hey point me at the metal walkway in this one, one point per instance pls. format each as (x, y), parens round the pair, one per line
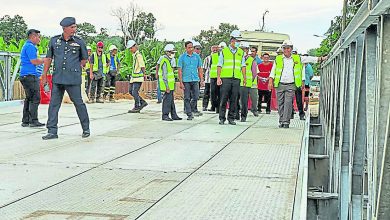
(135, 166)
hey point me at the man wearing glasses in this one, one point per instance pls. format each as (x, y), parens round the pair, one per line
(70, 56)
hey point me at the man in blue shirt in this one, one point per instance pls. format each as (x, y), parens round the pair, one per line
(29, 77)
(190, 73)
(309, 73)
(115, 64)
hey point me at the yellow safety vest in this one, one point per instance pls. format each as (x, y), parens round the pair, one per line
(96, 63)
(232, 63)
(249, 75)
(297, 70)
(214, 65)
(170, 75)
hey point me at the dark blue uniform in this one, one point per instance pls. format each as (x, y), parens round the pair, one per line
(67, 70)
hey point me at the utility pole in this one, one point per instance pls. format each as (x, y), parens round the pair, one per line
(344, 20)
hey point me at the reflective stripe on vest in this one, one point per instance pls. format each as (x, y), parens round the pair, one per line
(232, 63)
(297, 70)
(170, 75)
(214, 65)
(249, 75)
(96, 63)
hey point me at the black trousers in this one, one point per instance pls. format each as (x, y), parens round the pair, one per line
(191, 96)
(267, 99)
(96, 88)
(230, 89)
(168, 105)
(57, 93)
(87, 83)
(298, 97)
(215, 93)
(109, 86)
(30, 84)
(206, 97)
(244, 94)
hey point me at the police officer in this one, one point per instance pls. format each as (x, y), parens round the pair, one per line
(231, 69)
(29, 77)
(70, 55)
(109, 88)
(166, 79)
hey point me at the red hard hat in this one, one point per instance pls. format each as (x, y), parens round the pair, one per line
(100, 44)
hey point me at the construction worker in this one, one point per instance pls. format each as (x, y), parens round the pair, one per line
(207, 65)
(215, 90)
(86, 72)
(166, 79)
(251, 65)
(197, 47)
(114, 68)
(231, 69)
(137, 77)
(263, 78)
(253, 92)
(98, 69)
(286, 76)
(190, 73)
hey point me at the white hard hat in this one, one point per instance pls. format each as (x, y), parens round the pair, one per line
(235, 34)
(196, 44)
(89, 48)
(112, 47)
(169, 47)
(222, 44)
(130, 44)
(244, 45)
(287, 43)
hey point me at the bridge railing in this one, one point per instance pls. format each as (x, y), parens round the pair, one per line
(355, 116)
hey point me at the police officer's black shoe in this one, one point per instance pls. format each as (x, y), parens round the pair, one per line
(167, 119)
(231, 122)
(50, 136)
(37, 124)
(221, 122)
(86, 134)
(25, 124)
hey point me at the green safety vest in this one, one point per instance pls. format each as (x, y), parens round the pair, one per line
(170, 75)
(249, 75)
(140, 74)
(297, 70)
(96, 63)
(214, 65)
(232, 63)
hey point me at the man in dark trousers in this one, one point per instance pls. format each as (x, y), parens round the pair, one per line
(98, 69)
(29, 77)
(70, 56)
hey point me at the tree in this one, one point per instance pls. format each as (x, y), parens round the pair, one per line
(126, 17)
(208, 38)
(86, 31)
(13, 28)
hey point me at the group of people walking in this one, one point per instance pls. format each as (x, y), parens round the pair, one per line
(231, 75)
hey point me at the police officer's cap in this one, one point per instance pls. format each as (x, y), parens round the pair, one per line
(68, 21)
(32, 31)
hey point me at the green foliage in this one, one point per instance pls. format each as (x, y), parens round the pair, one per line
(86, 31)
(13, 28)
(143, 27)
(208, 38)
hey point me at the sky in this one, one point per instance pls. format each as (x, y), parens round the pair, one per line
(180, 19)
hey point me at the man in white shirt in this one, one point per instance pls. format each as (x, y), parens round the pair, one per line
(286, 76)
